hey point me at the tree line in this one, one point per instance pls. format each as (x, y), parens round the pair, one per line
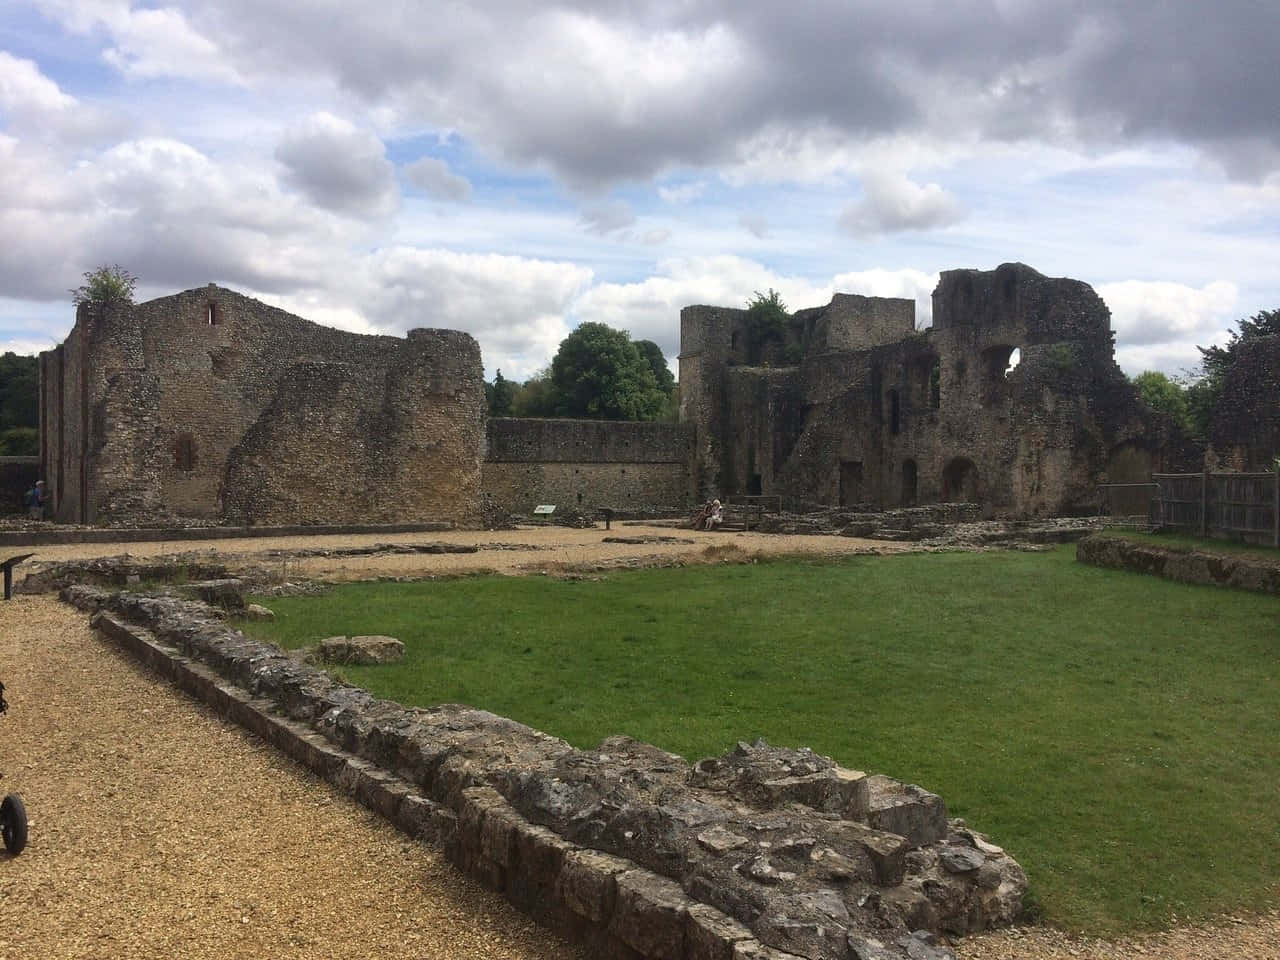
(1191, 399)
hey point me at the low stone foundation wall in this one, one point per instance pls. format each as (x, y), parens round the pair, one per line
(1241, 571)
(762, 853)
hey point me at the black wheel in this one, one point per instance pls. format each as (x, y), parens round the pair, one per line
(13, 824)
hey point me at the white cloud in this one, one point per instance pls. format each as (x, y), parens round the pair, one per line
(147, 42)
(432, 175)
(891, 202)
(339, 167)
(1159, 324)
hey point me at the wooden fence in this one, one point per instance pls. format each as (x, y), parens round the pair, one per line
(1239, 505)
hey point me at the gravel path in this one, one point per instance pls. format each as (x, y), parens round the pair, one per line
(158, 831)
(545, 548)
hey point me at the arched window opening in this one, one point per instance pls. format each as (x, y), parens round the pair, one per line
(895, 413)
(935, 386)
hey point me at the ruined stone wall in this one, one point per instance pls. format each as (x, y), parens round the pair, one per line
(932, 416)
(181, 388)
(587, 464)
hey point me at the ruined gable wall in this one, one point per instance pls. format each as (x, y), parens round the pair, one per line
(178, 383)
(587, 464)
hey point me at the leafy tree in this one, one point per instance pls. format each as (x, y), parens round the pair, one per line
(1164, 396)
(652, 353)
(20, 442)
(19, 388)
(104, 287)
(535, 398)
(598, 373)
(767, 319)
(1205, 392)
(501, 394)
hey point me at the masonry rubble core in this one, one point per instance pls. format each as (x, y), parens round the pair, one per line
(209, 404)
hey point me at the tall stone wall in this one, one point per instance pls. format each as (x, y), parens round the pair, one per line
(211, 404)
(861, 414)
(587, 464)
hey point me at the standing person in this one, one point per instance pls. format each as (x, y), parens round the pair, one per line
(39, 497)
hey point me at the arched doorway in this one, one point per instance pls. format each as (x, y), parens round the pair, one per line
(960, 481)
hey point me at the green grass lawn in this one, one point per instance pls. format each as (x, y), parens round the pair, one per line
(1117, 733)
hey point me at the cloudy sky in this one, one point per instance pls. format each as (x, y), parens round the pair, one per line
(514, 168)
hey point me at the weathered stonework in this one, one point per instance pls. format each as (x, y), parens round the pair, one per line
(854, 406)
(588, 464)
(1239, 570)
(763, 852)
(211, 404)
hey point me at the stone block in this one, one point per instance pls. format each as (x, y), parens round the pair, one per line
(650, 915)
(907, 810)
(363, 651)
(712, 935)
(226, 593)
(587, 883)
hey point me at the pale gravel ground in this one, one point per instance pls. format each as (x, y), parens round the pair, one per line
(159, 831)
(554, 547)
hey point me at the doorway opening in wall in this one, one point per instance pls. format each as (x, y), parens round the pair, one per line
(850, 482)
(960, 481)
(910, 483)
(184, 452)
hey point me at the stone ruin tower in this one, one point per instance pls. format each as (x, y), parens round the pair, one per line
(209, 404)
(851, 406)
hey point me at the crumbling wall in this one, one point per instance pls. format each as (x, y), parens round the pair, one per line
(159, 399)
(881, 414)
(587, 464)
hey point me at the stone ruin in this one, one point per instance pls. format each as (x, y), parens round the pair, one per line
(851, 404)
(763, 853)
(210, 404)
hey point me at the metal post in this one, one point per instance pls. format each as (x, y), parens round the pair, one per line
(1204, 504)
